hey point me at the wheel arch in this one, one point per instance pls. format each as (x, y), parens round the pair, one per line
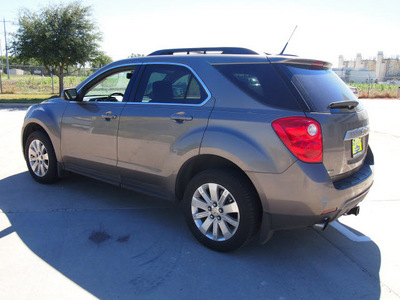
(35, 125)
(32, 127)
(205, 162)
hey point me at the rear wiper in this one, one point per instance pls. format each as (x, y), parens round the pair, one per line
(343, 104)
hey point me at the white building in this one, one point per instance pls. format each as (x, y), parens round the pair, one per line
(17, 72)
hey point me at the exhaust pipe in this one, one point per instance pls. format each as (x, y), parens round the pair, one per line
(322, 225)
(354, 211)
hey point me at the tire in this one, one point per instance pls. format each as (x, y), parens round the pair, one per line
(40, 158)
(222, 209)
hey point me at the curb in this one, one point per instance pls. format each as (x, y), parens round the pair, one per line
(14, 105)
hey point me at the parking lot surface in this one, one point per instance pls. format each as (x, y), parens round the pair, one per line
(84, 239)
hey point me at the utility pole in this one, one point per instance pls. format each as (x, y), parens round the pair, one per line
(1, 70)
(5, 40)
(1, 54)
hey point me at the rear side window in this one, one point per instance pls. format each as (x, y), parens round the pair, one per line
(319, 87)
(261, 82)
(171, 84)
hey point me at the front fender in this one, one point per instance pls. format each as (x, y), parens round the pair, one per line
(48, 116)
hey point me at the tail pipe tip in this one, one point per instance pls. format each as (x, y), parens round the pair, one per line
(354, 211)
(324, 223)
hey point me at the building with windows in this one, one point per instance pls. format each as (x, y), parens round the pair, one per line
(364, 70)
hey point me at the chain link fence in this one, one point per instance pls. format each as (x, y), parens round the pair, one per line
(26, 79)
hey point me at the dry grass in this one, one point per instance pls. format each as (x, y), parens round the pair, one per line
(377, 90)
(30, 84)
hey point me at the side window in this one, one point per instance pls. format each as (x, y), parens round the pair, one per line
(111, 88)
(169, 84)
(261, 82)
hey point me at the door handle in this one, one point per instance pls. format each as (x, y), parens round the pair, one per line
(108, 116)
(180, 117)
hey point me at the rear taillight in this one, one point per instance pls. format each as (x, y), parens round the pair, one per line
(302, 136)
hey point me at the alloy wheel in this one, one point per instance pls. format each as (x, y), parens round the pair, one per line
(215, 212)
(38, 158)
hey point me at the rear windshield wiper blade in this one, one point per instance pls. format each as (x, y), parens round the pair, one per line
(344, 104)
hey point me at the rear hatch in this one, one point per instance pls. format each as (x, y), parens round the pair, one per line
(328, 100)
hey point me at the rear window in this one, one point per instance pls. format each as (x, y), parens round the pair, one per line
(261, 82)
(319, 87)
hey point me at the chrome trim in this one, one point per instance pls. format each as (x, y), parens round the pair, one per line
(357, 133)
(156, 63)
(169, 104)
(100, 102)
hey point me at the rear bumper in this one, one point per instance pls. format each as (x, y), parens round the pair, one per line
(304, 194)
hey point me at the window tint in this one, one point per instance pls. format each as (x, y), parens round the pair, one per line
(261, 82)
(319, 87)
(111, 88)
(169, 84)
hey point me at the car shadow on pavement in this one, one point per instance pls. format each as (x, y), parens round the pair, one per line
(116, 243)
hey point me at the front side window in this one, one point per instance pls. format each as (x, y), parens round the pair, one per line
(169, 84)
(112, 88)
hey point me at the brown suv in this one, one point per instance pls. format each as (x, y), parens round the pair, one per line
(251, 143)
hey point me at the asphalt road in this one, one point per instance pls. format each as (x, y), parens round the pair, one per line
(83, 239)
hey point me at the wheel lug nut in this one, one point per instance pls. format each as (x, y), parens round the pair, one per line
(215, 204)
(220, 210)
(212, 217)
(209, 208)
(219, 218)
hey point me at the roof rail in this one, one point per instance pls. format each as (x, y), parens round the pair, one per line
(223, 50)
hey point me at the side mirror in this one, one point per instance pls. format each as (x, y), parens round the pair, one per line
(69, 94)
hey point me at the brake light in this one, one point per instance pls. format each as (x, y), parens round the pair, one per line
(302, 136)
(317, 65)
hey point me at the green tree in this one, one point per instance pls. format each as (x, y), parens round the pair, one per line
(58, 37)
(16, 61)
(100, 60)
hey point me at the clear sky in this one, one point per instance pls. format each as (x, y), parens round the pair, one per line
(326, 28)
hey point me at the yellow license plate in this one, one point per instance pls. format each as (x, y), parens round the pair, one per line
(356, 146)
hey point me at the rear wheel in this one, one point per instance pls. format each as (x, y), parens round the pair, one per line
(222, 209)
(40, 158)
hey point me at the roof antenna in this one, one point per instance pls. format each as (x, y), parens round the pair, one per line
(284, 48)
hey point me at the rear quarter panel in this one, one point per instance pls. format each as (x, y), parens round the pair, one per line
(248, 140)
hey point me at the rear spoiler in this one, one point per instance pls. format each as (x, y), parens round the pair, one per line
(308, 63)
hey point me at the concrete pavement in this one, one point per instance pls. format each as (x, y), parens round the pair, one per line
(83, 239)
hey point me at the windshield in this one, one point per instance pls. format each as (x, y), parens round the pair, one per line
(319, 87)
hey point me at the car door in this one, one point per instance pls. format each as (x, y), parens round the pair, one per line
(162, 127)
(90, 125)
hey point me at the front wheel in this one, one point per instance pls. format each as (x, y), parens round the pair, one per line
(222, 209)
(40, 158)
